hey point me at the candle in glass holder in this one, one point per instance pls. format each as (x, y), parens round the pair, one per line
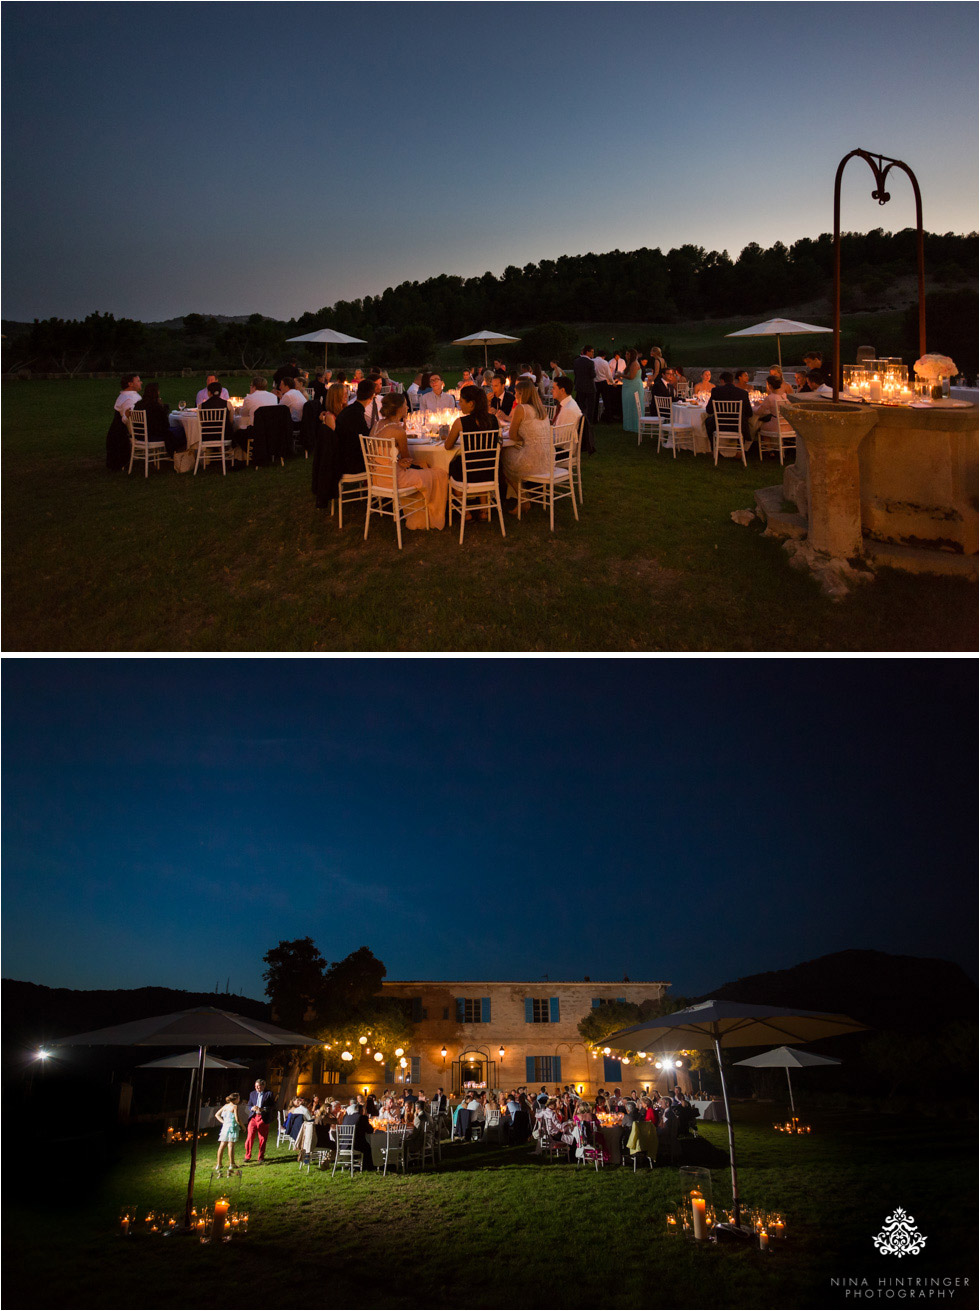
(779, 1228)
(220, 1217)
(698, 1217)
(124, 1225)
(763, 1240)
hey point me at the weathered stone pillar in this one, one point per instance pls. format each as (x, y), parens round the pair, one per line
(832, 439)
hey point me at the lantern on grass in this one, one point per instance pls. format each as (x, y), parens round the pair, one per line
(697, 1202)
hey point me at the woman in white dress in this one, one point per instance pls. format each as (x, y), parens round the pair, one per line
(532, 434)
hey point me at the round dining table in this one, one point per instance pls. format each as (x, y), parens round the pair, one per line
(190, 421)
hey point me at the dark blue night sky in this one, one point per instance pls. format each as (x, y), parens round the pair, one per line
(167, 822)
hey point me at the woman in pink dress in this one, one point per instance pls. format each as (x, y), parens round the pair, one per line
(433, 483)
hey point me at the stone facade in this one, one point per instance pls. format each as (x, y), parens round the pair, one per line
(536, 1024)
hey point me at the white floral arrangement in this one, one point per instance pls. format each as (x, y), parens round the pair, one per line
(934, 367)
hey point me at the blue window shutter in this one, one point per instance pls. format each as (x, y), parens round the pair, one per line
(557, 1069)
(596, 1003)
(529, 1069)
(621, 1000)
(553, 1009)
(485, 1009)
(528, 1011)
(416, 1070)
(389, 1073)
(460, 1013)
(612, 1069)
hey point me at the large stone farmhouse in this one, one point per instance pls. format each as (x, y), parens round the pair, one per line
(498, 1035)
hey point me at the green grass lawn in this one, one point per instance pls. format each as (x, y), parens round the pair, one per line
(99, 561)
(498, 1228)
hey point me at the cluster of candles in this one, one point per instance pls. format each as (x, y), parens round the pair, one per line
(792, 1126)
(880, 382)
(697, 1219)
(422, 421)
(133, 1221)
(218, 1222)
(182, 1135)
(609, 1121)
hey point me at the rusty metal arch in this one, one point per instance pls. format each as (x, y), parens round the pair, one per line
(880, 165)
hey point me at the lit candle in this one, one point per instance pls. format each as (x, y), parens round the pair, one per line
(697, 1214)
(220, 1217)
(124, 1225)
(779, 1229)
(875, 388)
(764, 1241)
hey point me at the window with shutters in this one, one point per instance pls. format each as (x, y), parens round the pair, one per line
(473, 1009)
(546, 1069)
(540, 1011)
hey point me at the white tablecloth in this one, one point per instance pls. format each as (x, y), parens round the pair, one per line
(190, 421)
(970, 394)
(692, 416)
(711, 1112)
(434, 455)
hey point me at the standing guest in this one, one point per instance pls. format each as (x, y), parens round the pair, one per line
(657, 363)
(585, 392)
(532, 435)
(440, 1103)
(437, 398)
(319, 390)
(632, 387)
(231, 1130)
(117, 439)
(205, 391)
(433, 484)
(261, 1105)
(617, 364)
(604, 381)
(159, 426)
(501, 400)
(813, 360)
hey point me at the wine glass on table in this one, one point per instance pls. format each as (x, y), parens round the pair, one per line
(181, 405)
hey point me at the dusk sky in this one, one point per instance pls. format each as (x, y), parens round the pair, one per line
(168, 822)
(230, 158)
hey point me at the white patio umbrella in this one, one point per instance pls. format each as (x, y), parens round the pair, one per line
(205, 1026)
(189, 1061)
(717, 1024)
(778, 328)
(484, 338)
(328, 336)
(790, 1059)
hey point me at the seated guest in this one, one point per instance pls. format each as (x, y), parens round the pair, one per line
(727, 391)
(742, 380)
(466, 380)
(258, 395)
(358, 377)
(215, 403)
(205, 392)
(501, 400)
(776, 372)
(475, 417)
(437, 398)
(487, 380)
(703, 388)
(433, 483)
(532, 434)
(117, 442)
(681, 385)
(813, 360)
(768, 408)
(291, 396)
(816, 386)
(663, 384)
(800, 379)
(362, 1128)
(321, 380)
(425, 383)
(568, 410)
(159, 427)
(350, 425)
(413, 391)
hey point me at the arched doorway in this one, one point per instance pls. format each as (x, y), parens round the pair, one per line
(474, 1069)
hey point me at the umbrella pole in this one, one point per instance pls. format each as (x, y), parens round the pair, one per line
(190, 1094)
(779, 352)
(197, 1117)
(792, 1108)
(736, 1206)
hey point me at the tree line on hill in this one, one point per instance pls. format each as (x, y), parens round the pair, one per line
(403, 325)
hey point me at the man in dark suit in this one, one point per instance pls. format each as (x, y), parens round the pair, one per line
(664, 384)
(501, 400)
(727, 391)
(352, 423)
(585, 392)
(261, 1108)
